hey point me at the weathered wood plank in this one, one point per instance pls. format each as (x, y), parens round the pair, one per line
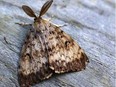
(90, 22)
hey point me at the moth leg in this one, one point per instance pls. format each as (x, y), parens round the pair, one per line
(62, 25)
(23, 24)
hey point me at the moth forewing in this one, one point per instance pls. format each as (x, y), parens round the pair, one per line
(47, 49)
(65, 54)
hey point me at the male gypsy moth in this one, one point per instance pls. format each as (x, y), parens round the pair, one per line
(47, 50)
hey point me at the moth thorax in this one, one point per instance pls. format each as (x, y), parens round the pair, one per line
(39, 26)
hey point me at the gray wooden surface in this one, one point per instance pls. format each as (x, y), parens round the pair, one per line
(90, 22)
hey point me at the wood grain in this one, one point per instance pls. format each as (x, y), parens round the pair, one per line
(90, 22)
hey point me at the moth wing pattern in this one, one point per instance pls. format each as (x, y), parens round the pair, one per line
(64, 53)
(33, 62)
(47, 49)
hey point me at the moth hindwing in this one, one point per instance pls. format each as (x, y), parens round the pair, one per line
(47, 50)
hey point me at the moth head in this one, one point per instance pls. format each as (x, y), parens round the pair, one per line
(43, 10)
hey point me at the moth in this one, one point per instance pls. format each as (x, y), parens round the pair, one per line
(47, 50)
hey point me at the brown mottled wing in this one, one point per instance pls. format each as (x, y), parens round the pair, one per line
(64, 53)
(33, 65)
